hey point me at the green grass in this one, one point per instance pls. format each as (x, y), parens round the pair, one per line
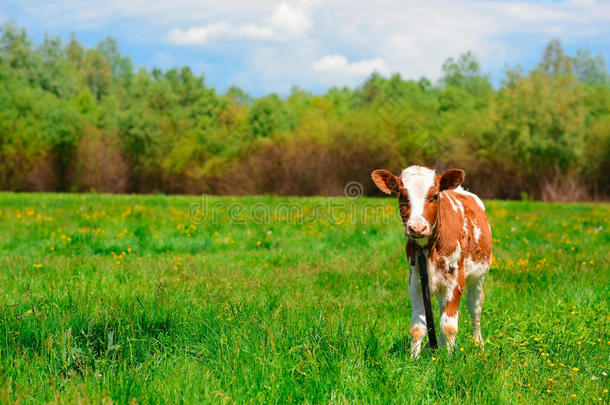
(123, 298)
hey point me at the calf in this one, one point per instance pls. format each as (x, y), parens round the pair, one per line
(450, 225)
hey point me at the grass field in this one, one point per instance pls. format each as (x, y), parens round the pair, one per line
(125, 298)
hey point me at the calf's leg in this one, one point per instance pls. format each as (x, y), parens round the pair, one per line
(441, 304)
(475, 307)
(418, 314)
(449, 316)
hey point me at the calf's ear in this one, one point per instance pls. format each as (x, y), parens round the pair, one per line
(451, 179)
(385, 181)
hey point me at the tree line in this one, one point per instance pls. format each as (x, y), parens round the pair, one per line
(85, 119)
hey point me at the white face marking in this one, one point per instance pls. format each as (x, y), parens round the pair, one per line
(417, 180)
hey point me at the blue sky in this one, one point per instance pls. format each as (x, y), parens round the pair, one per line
(268, 46)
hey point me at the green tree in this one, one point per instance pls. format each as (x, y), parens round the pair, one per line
(268, 114)
(589, 68)
(465, 73)
(554, 60)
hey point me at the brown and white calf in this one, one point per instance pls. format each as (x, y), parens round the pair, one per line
(450, 224)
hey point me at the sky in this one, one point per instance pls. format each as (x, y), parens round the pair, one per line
(269, 46)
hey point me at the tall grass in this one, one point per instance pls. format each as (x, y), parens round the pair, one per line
(125, 298)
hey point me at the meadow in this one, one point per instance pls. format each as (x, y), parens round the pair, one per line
(141, 299)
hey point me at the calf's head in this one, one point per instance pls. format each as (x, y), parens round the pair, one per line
(418, 191)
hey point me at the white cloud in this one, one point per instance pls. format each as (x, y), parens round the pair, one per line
(338, 64)
(201, 35)
(285, 22)
(414, 38)
(289, 19)
(266, 45)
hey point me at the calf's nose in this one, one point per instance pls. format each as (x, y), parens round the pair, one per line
(418, 229)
